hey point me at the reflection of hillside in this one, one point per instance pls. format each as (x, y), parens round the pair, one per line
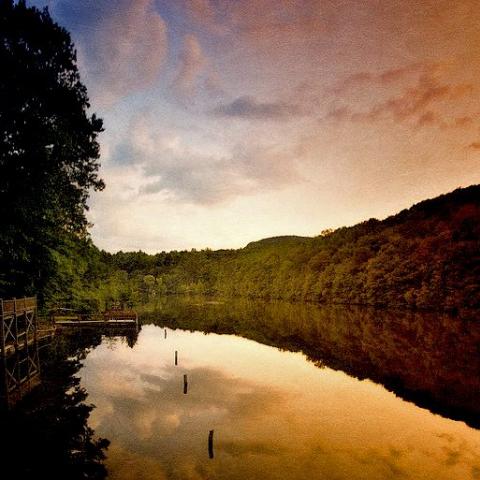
(48, 435)
(429, 359)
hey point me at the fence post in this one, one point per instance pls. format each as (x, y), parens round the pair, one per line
(2, 328)
(15, 323)
(3, 360)
(15, 343)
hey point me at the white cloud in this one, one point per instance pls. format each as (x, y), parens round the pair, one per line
(174, 166)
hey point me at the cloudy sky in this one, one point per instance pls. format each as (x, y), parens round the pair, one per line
(230, 121)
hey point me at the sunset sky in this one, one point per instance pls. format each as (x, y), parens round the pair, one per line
(231, 121)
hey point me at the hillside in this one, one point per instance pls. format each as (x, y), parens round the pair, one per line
(427, 256)
(284, 240)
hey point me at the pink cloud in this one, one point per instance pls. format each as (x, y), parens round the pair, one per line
(191, 66)
(415, 103)
(463, 121)
(367, 79)
(428, 118)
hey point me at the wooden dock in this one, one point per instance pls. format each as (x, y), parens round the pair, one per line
(22, 334)
(19, 340)
(19, 327)
(42, 335)
(113, 318)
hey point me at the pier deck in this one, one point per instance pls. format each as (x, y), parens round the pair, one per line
(108, 319)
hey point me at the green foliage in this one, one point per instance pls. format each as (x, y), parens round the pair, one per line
(48, 151)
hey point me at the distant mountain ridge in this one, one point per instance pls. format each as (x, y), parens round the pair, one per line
(272, 241)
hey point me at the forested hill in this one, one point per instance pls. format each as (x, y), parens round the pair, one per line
(425, 257)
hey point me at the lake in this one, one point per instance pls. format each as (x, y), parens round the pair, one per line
(289, 391)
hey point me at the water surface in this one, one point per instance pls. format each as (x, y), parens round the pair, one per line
(290, 392)
(276, 414)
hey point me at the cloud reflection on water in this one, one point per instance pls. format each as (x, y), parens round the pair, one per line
(301, 423)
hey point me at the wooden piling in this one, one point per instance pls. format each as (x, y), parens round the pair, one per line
(210, 444)
(176, 357)
(185, 384)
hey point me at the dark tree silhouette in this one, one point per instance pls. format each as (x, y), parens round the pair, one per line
(48, 151)
(60, 444)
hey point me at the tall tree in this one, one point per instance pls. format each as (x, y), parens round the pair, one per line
(48, 152)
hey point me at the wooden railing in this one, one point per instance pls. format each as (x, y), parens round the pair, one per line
(9, 307)
(18, 324)
(120, 315)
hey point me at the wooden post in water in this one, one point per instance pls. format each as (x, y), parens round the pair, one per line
(185, 384)
(165, 333)
(176, 357)
(210, 444)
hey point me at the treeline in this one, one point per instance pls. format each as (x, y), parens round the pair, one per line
(425, 257)
(49, 157)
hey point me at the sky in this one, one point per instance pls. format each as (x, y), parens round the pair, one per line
(231, 121)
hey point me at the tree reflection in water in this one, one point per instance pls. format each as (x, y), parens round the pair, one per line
(426, 358)
(46, 435)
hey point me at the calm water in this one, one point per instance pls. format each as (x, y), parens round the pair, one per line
(291, 392)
